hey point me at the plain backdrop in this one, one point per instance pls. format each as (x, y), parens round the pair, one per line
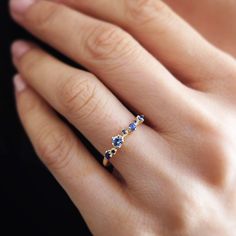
(31, 201)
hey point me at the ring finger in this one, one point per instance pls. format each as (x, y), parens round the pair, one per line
(88, 185)
(83, 100)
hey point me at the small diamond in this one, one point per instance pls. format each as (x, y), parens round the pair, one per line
(124, 131)
(132, 126)
(117, 141)
(141, 117)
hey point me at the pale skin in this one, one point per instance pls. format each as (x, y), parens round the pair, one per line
(176, 174)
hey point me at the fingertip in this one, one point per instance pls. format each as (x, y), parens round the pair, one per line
(19, 48)
(19, 7)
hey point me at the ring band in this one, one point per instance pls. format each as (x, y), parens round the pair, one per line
(118, 140)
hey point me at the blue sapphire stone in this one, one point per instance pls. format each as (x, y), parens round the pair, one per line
(117, 141)
(107, 155)
(133, 126)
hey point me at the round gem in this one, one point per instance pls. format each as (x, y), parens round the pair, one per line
(124, 131)
(133, 126)
(108, 155)
(141, 117)
(117, 141)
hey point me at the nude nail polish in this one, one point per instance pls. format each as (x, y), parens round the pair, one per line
(19, 83)
(20, 6)
(19, 48)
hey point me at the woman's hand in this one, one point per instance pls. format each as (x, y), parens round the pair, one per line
(176, 174)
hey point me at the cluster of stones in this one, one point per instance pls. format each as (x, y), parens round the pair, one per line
(118, 140)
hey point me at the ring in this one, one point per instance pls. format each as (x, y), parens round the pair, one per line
(118, 140)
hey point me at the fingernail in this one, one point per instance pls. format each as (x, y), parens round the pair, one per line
(20, 6)
(19, 83)
(19, 48)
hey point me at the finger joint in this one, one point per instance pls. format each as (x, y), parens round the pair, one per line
(144, 11)
(54, 148)
(79, 97)
(108, 42)
(43, 14)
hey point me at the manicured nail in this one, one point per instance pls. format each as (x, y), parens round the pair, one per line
(19, 48)
(20, 6)
(19, 83)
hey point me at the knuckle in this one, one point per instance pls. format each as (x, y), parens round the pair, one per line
(108, 42)
(29, 105)
(30, 61)
(205, 122)
(54, 148)
(78, 97)
(218, 167)
(214, 150)
(182, 216)
(143, 11)
(44, 13)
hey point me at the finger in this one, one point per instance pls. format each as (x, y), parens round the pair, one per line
(113, 55)
(166, 36)
(89, 186)
(84, 101)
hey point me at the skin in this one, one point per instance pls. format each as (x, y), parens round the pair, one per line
(212, 18)
(176, 174)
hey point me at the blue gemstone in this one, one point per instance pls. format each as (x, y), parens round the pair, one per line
(117, 141)
(133, 126)
(107, 155)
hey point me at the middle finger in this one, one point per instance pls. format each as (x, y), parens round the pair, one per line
(113, 55)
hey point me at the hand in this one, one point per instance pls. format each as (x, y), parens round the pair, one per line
(175, 175)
